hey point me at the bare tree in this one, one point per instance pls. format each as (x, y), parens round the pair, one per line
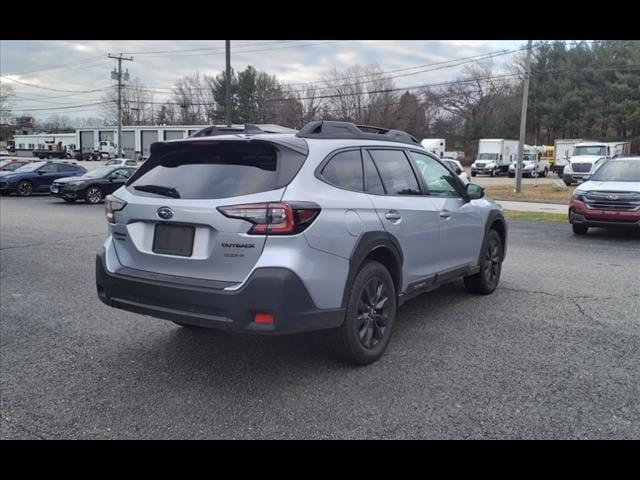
(362, 94)
(137, 105)
(7, 93)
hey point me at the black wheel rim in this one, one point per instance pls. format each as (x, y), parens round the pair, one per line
(492, 262)
(94, 195)
(24, 189)
(373, 313)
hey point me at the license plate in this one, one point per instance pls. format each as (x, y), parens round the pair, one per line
(172, 239)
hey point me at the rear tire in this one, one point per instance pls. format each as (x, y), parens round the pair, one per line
(580, 229)
(371, 312)
(487, 279)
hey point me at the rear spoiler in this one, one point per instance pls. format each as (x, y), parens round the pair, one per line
(158, 149)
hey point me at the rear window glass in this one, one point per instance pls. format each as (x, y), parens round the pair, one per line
(345, 170)
(218, 170)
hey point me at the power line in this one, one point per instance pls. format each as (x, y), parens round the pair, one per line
(45, 88)
(88, 59)
(441, 65)
(141, 53)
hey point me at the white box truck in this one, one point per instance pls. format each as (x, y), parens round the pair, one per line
(494, 156)
(588, 156)
(533, 165)
(434, 145)
(562, 151)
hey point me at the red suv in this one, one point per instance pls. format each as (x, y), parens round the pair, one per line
(609, 198)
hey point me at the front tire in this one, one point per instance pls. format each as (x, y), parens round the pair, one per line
(473, 174)
(580, 229)
(24, 189)
(371, 311)
(94, 195)
(487, 279)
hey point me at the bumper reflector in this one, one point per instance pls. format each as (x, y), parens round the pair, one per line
(263, 318)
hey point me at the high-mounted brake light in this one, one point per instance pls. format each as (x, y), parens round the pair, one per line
(274, 218)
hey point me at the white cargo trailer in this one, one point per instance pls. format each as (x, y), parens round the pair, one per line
(434, 145)
(494, 156)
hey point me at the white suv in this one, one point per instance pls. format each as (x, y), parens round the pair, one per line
(329, 228)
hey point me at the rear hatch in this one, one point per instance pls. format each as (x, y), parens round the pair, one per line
(172, 224)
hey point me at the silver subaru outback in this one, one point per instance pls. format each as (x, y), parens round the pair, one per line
(332, 227)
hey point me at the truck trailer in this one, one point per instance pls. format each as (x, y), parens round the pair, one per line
(434, 145)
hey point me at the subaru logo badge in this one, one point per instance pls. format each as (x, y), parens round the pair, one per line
(165, 213)
(612, 197)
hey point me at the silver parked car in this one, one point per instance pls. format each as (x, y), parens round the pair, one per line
(333, 227)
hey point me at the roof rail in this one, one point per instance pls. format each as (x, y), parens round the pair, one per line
(215, 130)
(343, 130)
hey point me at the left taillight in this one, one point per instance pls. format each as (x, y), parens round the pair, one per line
(113, 204)
(274, 218)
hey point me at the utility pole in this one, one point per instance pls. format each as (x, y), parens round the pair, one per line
(523, 119)
(227, 108)
(118, 76)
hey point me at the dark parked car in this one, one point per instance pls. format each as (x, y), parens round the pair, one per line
(37, 177)
(93, 186)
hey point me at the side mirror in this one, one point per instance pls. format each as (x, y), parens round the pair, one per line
(458, 171)
(40, 172)
(474, 191)
(111, 179)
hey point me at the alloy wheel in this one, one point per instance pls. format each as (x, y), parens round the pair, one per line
(25, 189)
(94, 195)
(492, 262)
(373, 313)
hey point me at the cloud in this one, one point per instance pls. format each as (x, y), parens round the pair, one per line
(83, 65)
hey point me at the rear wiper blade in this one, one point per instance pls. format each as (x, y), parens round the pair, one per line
(159, 189)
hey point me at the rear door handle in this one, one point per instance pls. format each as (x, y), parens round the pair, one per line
(392, 215)
(445, 214)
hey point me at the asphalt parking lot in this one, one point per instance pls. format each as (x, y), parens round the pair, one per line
(553, 353)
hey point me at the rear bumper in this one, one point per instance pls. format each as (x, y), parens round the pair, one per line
(277, 291)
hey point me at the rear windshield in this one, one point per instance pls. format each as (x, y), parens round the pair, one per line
(201, 170)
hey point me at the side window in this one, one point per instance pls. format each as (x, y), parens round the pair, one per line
(396, 172)
(49, 168)
(345, 170)
(372, 182)
(131, 162)
(438, 179)
(67, 168)
(121, 173)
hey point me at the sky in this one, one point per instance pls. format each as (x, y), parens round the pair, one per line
(74, 73)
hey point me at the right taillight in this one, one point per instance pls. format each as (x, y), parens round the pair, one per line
(113, 204)
(274, 218)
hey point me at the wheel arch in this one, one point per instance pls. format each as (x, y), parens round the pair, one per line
(496, 221)
(381, 247)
